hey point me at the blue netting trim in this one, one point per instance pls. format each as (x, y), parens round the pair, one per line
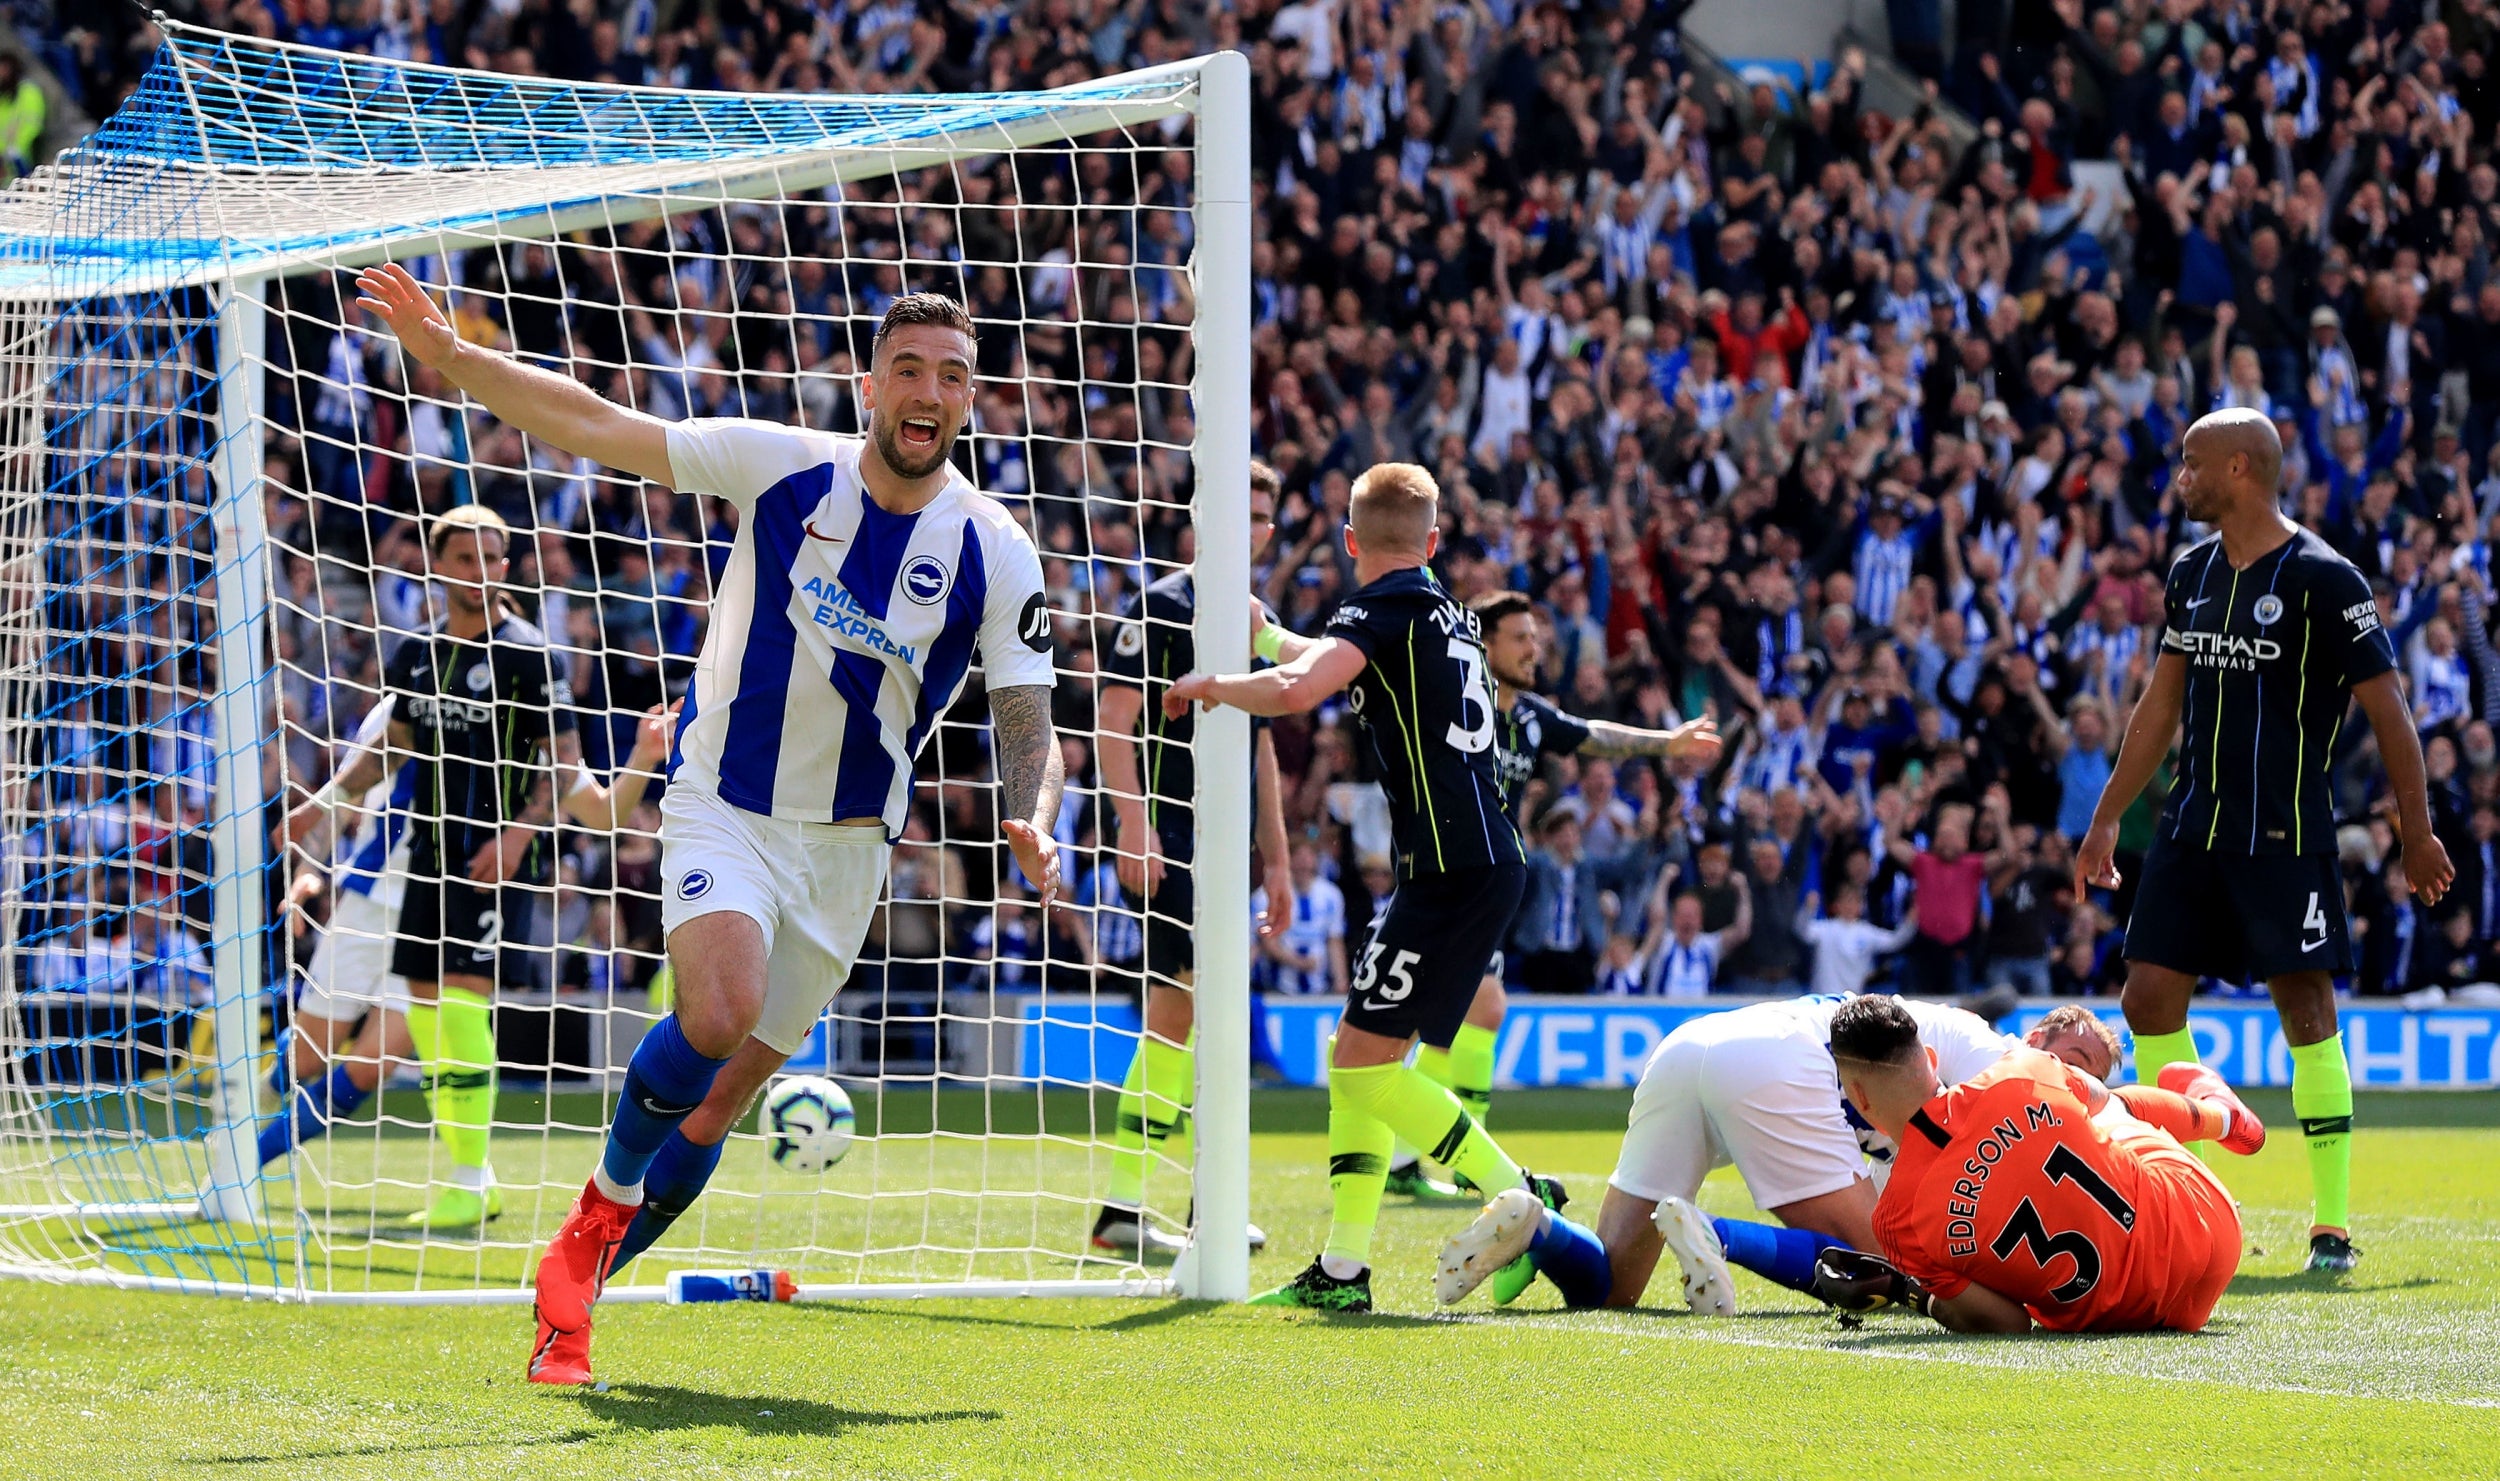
(214, 99)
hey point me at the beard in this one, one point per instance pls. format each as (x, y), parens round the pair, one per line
(887, 434)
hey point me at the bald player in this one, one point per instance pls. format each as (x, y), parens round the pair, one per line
(2269, 636)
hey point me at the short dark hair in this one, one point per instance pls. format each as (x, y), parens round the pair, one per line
(1874, 1028)
(922, 308)
(1496, 607)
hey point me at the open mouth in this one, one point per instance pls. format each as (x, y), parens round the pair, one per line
(919, 432)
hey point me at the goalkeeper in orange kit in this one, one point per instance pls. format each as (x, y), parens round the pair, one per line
(2033, 1194)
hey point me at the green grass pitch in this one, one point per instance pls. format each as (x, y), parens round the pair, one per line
(2392, 1371)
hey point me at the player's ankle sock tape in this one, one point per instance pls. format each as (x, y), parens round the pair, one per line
(1358, 1167)
(463, 1074)
(1471, 1069)
(670, 1186)
(1777, 1253)
(1573, 1259)
(664, 1081)
(1431, 1118)
(2164, 1110)
(2322, 1099)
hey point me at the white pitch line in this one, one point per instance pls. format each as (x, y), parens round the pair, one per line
(1737, 1339)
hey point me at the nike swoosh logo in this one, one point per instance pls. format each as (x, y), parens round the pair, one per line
(2307, 946)
(814, 533)
(2192, 606)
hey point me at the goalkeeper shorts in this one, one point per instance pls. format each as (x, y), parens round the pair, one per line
(811, 886)
(350, 970)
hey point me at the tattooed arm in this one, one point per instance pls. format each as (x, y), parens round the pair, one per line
(1697, 738)
(1030, 775)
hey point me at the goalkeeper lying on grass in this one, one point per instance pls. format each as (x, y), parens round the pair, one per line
(2193, 1104)
(2030, 1193)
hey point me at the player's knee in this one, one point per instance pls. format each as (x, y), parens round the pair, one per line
(1171, 1012)
(717, 1025)
(2152, 1003)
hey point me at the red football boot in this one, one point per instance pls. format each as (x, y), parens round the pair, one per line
(2198, 1082)
(575, 1266)
(560, 1357)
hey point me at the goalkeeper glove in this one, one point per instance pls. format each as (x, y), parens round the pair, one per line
(1857, 1282)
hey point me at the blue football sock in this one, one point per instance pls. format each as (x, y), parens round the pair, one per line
(675, 1176)
(316, 1104)
(278, 1062)
(1574, 1261)
(1777, 1253)
(665, 1081)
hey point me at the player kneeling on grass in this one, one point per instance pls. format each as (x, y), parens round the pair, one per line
(2030, 1194)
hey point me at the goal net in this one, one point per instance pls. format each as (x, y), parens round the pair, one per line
(212, 512)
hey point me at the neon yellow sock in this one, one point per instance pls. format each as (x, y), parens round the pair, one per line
(456, 1048)
(1430, 1117)
(2322, 1099)
(1154, 1102)
(1358, 1166)
(1434, 1065)
(1471, 1070)
(1127, 1188)
(2152, 1051)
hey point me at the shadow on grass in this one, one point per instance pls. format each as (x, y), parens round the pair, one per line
(365, 1452)
(648, 1408)
(655, 1408)
(1930, 1336)
(1163, 1313)
(2324, 1284)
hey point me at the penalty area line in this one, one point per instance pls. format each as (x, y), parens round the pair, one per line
(1593, 1322)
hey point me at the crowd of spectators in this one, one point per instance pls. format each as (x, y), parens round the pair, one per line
(1784, 410)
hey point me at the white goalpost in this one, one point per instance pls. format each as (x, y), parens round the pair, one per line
(212, 506)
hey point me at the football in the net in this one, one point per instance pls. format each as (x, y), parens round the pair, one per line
(808, 1121)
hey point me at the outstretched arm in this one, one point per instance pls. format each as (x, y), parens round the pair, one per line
(1296, 687)
(2400, 750)
(2150, 730)
(555, 409)
(1694, 739)
(1030, 774)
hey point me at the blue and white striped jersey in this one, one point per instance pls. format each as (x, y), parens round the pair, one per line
(375, 861)
(841, 632)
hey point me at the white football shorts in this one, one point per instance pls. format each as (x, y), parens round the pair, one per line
(350, 970)
(1754, 1086)
(811, 886)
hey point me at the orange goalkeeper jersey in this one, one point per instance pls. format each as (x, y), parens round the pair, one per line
(2006, 1181)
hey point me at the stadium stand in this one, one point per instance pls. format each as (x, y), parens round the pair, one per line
(1785, 410)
